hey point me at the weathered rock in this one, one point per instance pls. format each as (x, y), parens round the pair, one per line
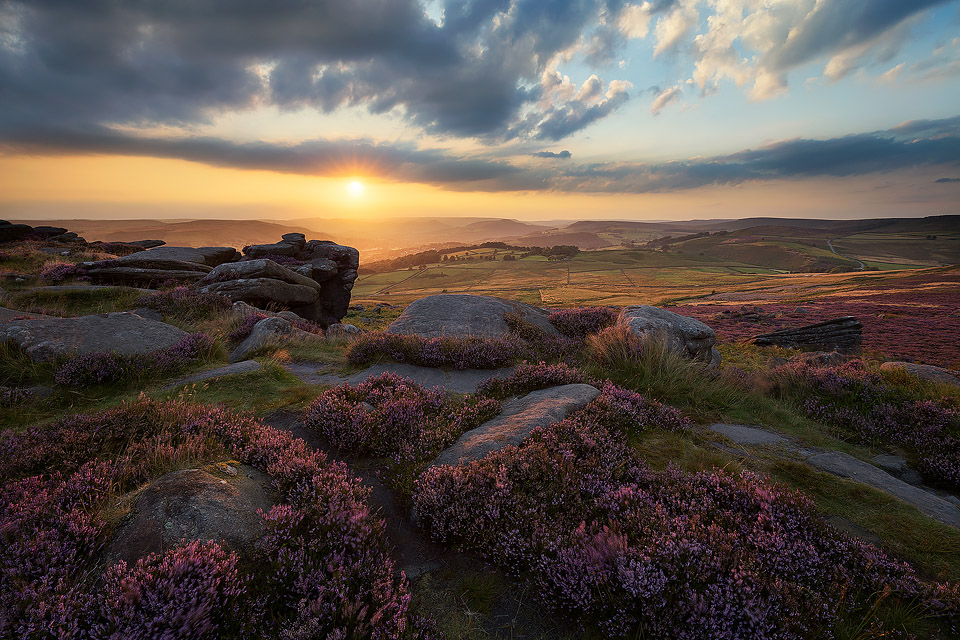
(268, 331)
(210, 256)
(518, 418)
(841, 334)
(11, 232)
(193, 504)
(319, 270)
(846, 466)
(47, 338)
(262, 292)
(245, 366)
(461, 315)
(7, 315)
(141, 276)
(924, 372)
(743, 434)
(275, 249)
(147, 244)
(347, 257)
(685, 336)
(260, 268)
(342, 332)
(296, 239)
(47, 231)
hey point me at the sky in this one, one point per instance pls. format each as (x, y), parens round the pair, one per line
(527, 109)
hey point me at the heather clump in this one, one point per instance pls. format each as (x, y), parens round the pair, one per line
(581, 322)
(186, 304)
(109, 367)
(529, 377)
(456, 353)
(62, 271)
(660, 554)
(860, 403)
(322, 565)
(392, 417)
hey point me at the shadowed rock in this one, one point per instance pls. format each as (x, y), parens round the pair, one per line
(924, 372)
(246, 366)
(841, 334)
(518, 418)
(47, 338)
(743, 434)
(269, 331)
(461, 315)
(685, 336)
(194, 504)
(260, 268)
(10, 232)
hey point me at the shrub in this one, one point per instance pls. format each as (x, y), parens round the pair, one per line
(530, 377)
(583, 321)
(186, 303)
(321, 570)
(60, 271)
(390, 416)
(859, 402)
(660, 554)
(110, 367)
(458, 353)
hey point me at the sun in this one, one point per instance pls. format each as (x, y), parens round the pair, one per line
(355, 188)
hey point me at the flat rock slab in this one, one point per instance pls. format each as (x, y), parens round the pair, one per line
(457, 381)
(846, 466)
(742, 434)
(8, 315)
(463, 315)
(236, 368)
(924, 372)
(195, 504)
(127, 333)
(518, 418)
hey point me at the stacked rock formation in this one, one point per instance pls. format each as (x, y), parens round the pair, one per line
(145, 268)
(840, 334)
(10, 232)
(315, 283)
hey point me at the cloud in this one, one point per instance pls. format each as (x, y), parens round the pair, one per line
(88, 64)
(565, 109)
(911, 145)
(946, 180)
(664, 98)
(757, 44)
(311, 157)
(559, 155)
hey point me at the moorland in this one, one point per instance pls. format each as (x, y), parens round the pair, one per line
(678, 499)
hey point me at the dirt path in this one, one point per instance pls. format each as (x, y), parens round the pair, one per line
(830, 244)
(440, 576)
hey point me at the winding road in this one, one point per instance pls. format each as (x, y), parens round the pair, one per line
(830, 244)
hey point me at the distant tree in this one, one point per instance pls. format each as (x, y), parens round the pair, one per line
(509, 258)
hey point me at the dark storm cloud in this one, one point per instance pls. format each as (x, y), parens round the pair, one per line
(311, 157)
(896, 149)
(947, 180)
(558, 155)
(84, 63)
(838, 24)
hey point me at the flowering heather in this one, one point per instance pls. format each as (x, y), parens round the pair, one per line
(659, 554)
(861, 403)
(322, 569)
(458, 353)
(391, 416)
(60, 271)
(530, 377)
(186, 303)
(915, 318)
(109, 367)
(583, 321)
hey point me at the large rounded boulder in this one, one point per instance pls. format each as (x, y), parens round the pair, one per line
(685, 336)
(463, 315)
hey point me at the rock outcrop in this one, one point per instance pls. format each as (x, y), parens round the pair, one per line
(193, 504)
(153, 266)
(462, 315)
(268, 331)
(841, 334)
(685, 336)
(518, 418)
(47, 338)
(924, 372)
